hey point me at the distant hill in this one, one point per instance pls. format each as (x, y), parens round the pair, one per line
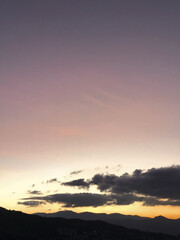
(19, 226)
(157, 224)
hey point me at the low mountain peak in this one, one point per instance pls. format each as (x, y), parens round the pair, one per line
(160, 217)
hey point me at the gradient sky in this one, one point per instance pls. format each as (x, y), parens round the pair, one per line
(87, 84)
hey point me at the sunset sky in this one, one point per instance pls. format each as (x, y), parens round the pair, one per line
(90, 106)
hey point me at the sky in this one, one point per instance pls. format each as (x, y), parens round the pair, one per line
(89, 106)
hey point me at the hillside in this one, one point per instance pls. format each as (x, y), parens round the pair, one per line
(17, 225)
(157, 224)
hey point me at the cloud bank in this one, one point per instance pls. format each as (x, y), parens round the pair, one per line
(156, 186)
(155, 182)
(86, 199)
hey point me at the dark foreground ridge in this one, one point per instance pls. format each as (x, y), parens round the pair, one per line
(157, 224)
(17, 225)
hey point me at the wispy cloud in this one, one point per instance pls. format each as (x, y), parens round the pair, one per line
(52, 180)
(76, 172)
(34, 192)
(31, 203)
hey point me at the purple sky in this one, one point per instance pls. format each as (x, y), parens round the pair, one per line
(85, 84)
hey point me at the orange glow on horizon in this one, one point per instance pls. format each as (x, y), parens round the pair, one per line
(135, 209)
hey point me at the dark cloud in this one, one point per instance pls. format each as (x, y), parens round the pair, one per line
(156, 186)
(126, 199)
(76, 172)
(80, 183)
(152, 201)
(31, 203)
(34, 192)
(88, 199)
(95, 200)
(104, 182)
(76, 199)
(52, 180)
(156, 182)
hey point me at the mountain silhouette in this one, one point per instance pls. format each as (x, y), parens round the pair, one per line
(20, 226)
(157, 224)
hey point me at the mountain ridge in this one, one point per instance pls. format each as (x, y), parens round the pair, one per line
(18, 225)
(156, 224)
